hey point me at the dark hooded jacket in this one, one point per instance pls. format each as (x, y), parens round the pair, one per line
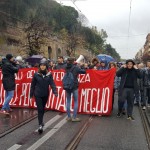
(123, 72)
(8, 70)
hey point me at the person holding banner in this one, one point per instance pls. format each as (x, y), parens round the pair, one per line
(9, 68)
(40, 90)
(128, 84)
(75, 70)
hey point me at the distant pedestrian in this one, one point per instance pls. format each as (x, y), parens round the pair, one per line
(116, 81)
(75, 70)
(146, 84)
(40, 90)
(60, 63)
(129, 74)
(95, 64)
(103, 65)
(9, 68)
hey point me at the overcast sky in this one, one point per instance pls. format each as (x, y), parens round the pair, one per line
(113, 17)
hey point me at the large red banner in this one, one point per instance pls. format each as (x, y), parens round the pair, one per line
(95, 91)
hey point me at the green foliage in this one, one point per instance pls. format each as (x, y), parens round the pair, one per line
(50, 16)
(111, 51)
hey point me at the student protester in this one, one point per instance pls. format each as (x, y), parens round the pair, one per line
(95, 64)
(40, 90)
(137, 91)
(103, 65)
(60, 63)
(116, 81)
(51, 65)
(71, 67)
(9, 68)
(128, 84)
(146, 84)
(85, 66)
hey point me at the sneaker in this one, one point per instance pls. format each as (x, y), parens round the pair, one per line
(130, 118)
(76, 119)
(144, 107)
(40, 129)
(119, 114)
(4, 112)
(68, 119)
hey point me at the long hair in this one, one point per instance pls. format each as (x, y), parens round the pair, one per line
(112, 63)
(40, 71)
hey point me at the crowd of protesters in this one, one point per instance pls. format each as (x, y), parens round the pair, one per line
(132, 82)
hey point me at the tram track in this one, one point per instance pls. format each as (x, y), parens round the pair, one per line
(146, 125)
(17, 126)
(20, 124)
(77, 138)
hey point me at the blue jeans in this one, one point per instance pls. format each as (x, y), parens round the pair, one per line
(75, 96)
(8, 97)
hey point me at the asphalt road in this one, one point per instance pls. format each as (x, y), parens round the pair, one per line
(103, 133)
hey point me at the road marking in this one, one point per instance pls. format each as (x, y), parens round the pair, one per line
(15, 147)
(50, 122)
(48, 135)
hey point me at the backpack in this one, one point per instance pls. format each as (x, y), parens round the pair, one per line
(68, 80)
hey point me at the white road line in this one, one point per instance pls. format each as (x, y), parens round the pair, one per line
(50, 122)
(15, 147)
(48, 135)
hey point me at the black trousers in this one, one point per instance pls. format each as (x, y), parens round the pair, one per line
(127, 94)
(41, 102)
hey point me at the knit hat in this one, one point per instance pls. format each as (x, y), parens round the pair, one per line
(130, 60)
(43, 63)
(9, 56)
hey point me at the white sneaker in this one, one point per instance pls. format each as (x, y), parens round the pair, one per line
(144, 107)
(40, 130)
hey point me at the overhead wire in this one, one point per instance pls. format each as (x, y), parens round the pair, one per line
(129, 25)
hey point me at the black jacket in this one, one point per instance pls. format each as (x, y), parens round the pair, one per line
(40, 85)
(75, 71)
(122, 72)
(8, 70)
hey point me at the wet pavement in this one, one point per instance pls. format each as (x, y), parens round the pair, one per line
(148, 114)
(17, 116)
(20, 115)
(103, 133)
